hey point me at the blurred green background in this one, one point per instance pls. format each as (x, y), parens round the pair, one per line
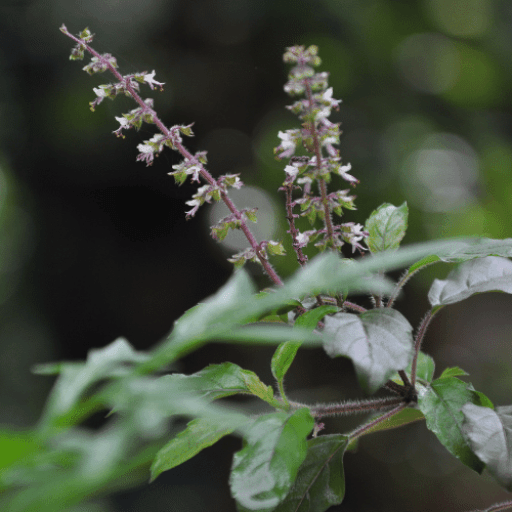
(95, 245)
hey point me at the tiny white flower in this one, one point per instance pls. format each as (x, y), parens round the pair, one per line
(149, 79)
(291, 170)
(343, 172)
(100, 92)
(144, 148)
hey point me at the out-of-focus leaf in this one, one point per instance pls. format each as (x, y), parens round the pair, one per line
(379, 342)
(115, 360)
(14, 448)
(475, 276)
(387, 226)
(270, 334)
(320, 483)
(265, 469)
(490, 436)
(441, 403)
(467, 250)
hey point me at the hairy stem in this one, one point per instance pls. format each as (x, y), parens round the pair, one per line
(353, 407)
(417, 343)
(361, 430)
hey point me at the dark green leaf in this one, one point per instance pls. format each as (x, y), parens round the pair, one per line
(441, 403)
(265, 469)
(490, 436)
(475, 276)
(320, 483)
(379, 342)
(387, 226)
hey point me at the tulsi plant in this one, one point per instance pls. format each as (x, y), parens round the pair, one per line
(286, 463)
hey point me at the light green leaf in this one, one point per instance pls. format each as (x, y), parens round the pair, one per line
(475, 276)
(387, 226)
(379, 343)
(265, 469)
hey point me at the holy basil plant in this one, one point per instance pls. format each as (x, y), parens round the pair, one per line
(285, 463)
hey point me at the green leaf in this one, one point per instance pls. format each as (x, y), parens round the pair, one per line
(199, 434)
(467, 250)
(475, 276)
(387, 226)
(379, 342)
(310, 319)
(441, 403)
(490, 436)
(320, 483)
(226, 379)
(265, 469)
(283, 358)
(285, 353)
(425, 368)
(454, 371)
(280, 311)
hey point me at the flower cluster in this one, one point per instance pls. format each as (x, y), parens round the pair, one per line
(317, 136)
(192, 165)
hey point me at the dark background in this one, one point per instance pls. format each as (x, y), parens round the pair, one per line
(95, 245)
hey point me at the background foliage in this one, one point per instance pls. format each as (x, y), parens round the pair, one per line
(95, 246)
